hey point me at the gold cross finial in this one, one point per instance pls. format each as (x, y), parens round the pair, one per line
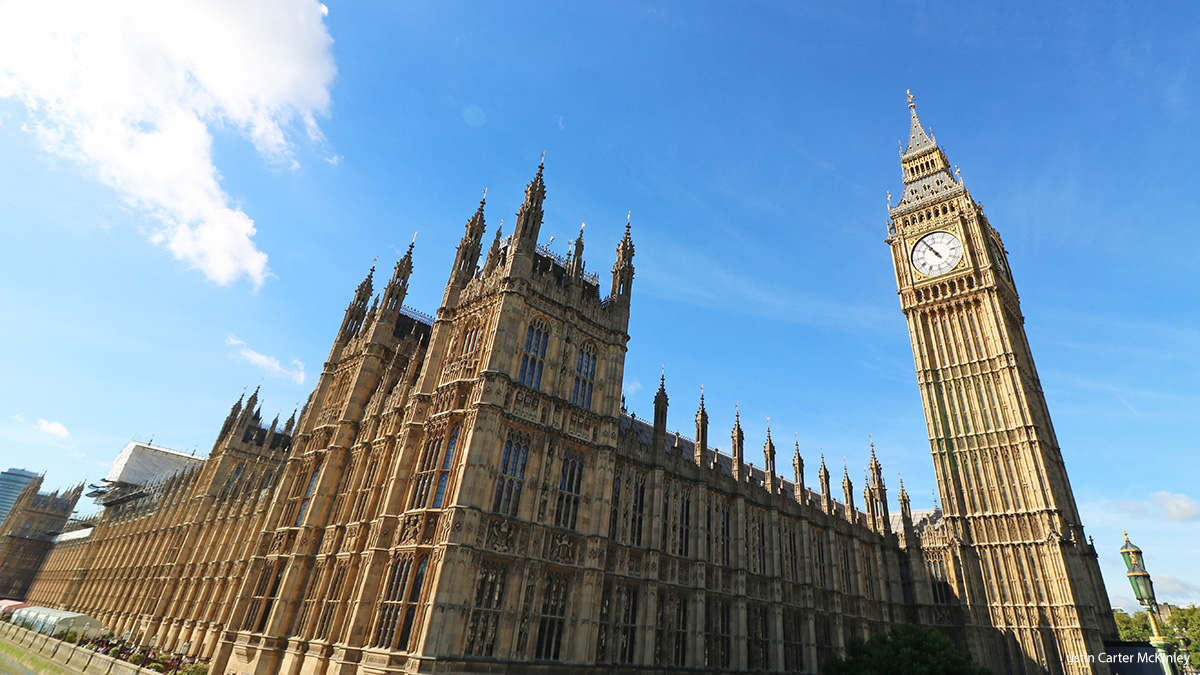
(889, 196)
(910, 98)
(629, 216)
(485, 193)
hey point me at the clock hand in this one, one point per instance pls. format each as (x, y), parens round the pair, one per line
(934, 251)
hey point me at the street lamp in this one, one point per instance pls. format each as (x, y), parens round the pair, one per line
(1143, 590)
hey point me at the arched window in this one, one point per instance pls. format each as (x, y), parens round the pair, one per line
(569, 487)
(585, 374)
(470, 339)
(535, 354)
(431, 472)
(512, 475)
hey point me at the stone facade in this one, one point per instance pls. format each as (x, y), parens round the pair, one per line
(165, 560)
(1018, 582)
(466, 493)
(26, 535)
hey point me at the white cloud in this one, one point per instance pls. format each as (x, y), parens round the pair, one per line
(1175, 506)
(131, 90)
(1176, 589)
(631, 387)
(19, 417)
(267, 363)
(52, 428)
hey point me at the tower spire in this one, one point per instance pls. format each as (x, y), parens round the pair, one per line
(737, 439)
(701, 450)
(918, 139)
(769, 456)
(659, 438)
(798, 472)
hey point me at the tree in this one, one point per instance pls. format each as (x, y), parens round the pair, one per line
(906, 649)
(1187, 619)
(1135, 628)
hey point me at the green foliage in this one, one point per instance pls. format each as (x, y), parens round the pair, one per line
(1187, 619)
(1135, 628)
(137, 659)
(906, 649)
(195, 669)
(156, 667)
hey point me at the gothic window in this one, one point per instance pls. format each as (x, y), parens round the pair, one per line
(717, 633)
(426, 469)
(312, 484)
(512, 475)
(847, 577)
(793, 640)
(364, 492)
(311, 597)
(819, 562)
(553, 618)
(671, 631)
(637, 510)
(757, 642)
(569, 485)
(943, 594)
(470, 339)
(485, 617)
(535, 355)
(402, 592)
(433, 475)
(723, 524)
(793, 555)
(627, 633)
(681, 528)
(585, 375)
(606, 602)
(259, 610)
(615, 515)
(333, 600)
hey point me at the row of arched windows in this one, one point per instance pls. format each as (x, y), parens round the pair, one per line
(533, 360)
(930, 213)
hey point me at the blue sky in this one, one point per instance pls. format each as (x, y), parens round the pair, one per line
(191, 195)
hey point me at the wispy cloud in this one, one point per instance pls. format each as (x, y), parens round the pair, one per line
(52, 428)
(44, 426)
(631, 386)
(726, 290)
(131, 89)
(1162, 505)
(1176, 507)
(1178, 589)
(267, 363)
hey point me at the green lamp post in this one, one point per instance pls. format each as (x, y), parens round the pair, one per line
(1143, 590)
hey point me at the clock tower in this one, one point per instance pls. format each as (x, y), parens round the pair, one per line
(1012, 566)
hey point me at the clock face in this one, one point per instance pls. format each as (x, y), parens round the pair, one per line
(936, 253)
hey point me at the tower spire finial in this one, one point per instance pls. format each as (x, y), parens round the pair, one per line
(911, 106)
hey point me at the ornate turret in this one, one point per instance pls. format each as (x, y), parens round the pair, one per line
(529, 224)
(493, 258)
(659, 438)
(701, 449)
(466, 260)
(622, 274)
(848, 492)
(798, 473)
(823, 478)
(770, 482)
(397, 287)
(356, 313)
(877, 494)
(906, 522)
(738, 439)
(575, 267)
